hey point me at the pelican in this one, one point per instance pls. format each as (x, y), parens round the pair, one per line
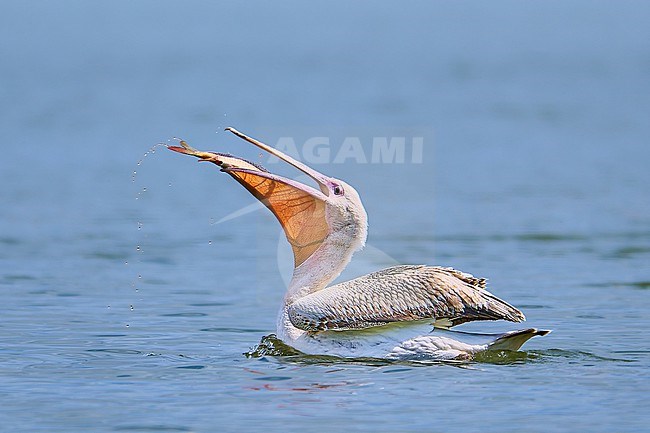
(399, 313)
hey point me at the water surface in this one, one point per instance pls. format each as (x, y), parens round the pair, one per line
(128, 306)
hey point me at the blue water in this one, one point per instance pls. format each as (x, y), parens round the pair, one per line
(128, 305)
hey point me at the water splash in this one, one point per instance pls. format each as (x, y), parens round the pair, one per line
(140, 225)
(151, 151)
(271, 345)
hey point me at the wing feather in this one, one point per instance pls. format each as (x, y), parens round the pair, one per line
(401, 294)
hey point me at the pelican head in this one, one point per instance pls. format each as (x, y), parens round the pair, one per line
(324, 226)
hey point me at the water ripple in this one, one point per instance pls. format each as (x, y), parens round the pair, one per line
(117, 351)
(235, 330)
(150, 427)
(189, 314)
(573, 355)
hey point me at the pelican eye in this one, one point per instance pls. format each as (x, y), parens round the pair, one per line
(338, 190)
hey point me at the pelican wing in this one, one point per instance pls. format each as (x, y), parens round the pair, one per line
(401, 294)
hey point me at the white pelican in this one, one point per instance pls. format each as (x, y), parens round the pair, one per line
(386, 314)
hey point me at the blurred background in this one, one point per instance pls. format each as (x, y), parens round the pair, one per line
(534, 173)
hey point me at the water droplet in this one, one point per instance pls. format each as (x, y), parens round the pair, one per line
(137, 248)
(126, 263)
(210, 242)
(139, 225)
(127, 325)
(108, 306)
(139, 277)
(144, 189)
(132, 308)
(170, 184)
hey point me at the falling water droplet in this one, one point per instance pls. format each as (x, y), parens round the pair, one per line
(132, 308)
(139, 277)
(209, 242)
(126, 263)
(137, 248)
(127, 325)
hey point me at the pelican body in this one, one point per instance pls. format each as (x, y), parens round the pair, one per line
(403, 312)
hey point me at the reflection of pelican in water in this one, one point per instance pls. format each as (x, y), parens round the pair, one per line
(386, 314)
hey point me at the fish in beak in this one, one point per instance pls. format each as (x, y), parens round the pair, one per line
(299, 208)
